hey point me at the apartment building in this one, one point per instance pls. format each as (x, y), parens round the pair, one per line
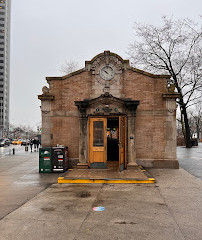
(5, 6)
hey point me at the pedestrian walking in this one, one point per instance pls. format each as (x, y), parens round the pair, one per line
(37, 144)
(34, 142)
(31, 144)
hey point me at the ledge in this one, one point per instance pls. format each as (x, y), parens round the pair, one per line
(45, 97)
(171, 95)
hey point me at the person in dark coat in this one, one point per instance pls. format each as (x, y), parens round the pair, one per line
(31, 144)
(37, 144)
(34, 142)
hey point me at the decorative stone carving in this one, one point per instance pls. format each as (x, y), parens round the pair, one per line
(111, 60)
(45, 90)
(171, 105)
(45, 106)
(170, 86)
(106, 104)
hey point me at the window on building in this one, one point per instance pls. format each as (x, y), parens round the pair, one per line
(1, 37)
(1, 49)
(1, 61)
(2, 13)
(1, 55)
(1, 73)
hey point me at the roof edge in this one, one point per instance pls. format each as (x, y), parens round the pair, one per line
(66, 76)
(149, 74)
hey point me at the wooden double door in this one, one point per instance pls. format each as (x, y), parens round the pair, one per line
(101, 130)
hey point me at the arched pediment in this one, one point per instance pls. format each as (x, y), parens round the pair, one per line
(106, 104)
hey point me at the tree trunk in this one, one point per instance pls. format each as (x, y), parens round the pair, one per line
(187, 128)
(182, 123)
(198, 131)
(183, 111)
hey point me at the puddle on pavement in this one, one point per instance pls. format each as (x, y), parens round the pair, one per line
(48, 209)
(124, 222)
(83, 194)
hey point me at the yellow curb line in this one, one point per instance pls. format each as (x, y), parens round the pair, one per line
(63, 180)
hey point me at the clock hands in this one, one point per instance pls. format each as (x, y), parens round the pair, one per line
(107, 73)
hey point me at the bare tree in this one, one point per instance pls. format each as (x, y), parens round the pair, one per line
(173, 48)
(69, 67)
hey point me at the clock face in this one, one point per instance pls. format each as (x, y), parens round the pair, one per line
(107, 72)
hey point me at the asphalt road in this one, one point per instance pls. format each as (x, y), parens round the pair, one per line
(190, 159)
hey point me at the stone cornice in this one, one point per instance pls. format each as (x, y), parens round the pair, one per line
(171, 95)
(106, 99)
(45, 97)
(149, 74)
(66, 76)
(106, 53)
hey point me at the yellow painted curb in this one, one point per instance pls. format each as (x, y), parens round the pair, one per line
(69, 180)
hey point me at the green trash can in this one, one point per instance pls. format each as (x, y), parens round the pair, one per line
(45, 160)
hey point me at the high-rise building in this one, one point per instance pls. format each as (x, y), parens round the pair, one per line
(5, 6)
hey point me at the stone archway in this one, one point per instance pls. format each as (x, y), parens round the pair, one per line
(106, 105)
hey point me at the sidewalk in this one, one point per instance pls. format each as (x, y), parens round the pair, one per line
(170, 209)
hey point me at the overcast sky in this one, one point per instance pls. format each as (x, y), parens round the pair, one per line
(46, 33)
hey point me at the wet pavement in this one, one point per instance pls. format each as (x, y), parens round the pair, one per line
(20, 180)
(155, 211)
(167, 210)
(190, 159)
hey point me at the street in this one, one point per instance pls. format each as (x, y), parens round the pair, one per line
(190, 159)
(8, 150)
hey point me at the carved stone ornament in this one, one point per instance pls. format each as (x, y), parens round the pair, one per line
(106, 104)
(171, 86)
(45, 90)
(110, 61)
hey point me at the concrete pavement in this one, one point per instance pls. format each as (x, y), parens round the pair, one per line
(191, 159)
(168, 210)
(20, 180)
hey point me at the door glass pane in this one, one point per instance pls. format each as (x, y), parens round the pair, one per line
(98, 134)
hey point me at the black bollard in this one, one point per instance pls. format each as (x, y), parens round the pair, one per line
(13, 151)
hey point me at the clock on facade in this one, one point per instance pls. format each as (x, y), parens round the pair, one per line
(107, 72)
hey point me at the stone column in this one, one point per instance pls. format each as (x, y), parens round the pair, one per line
(83, 134)
(131, 115)
(131, 143)
(83, 146)
(46, 137)
(170, 159)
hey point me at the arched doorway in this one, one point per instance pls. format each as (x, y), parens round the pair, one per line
(107, 142)
(107, 132)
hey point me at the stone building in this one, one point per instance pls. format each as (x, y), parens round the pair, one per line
(110, 111)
